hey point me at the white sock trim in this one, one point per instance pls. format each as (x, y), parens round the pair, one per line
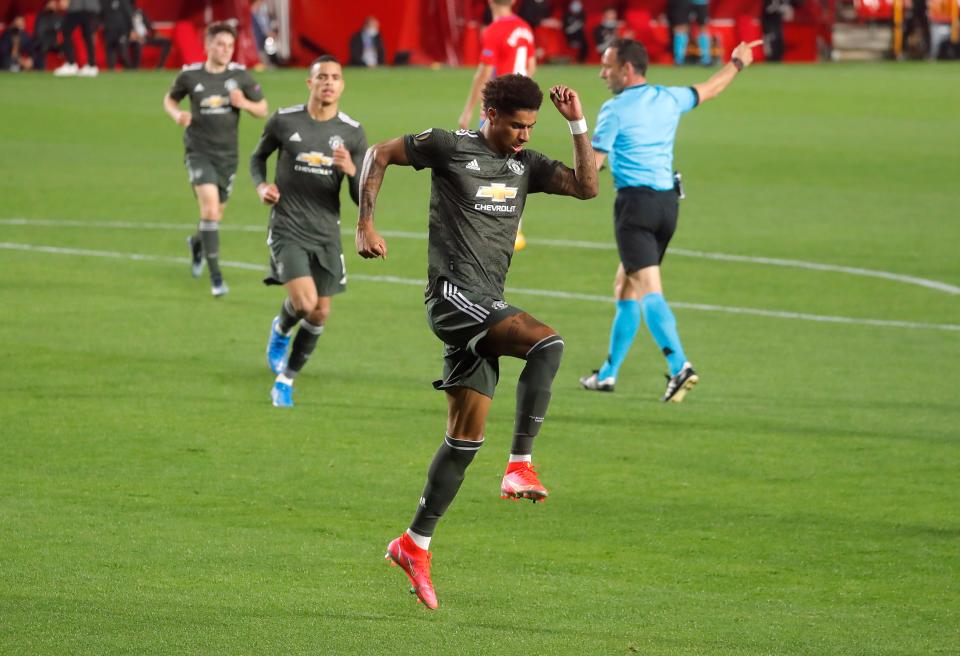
(421, 541)
(525, 458)
(311, 328)
(286, 380)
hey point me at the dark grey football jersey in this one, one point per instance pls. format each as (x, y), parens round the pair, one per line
(476, 199)
(213, 126)
(309, 184)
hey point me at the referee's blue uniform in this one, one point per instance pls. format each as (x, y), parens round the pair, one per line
(636, 130)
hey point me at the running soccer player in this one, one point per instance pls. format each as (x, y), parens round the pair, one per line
(319, 146)
(507, 47)
(636, 129)
(479, 185)
(219, 89)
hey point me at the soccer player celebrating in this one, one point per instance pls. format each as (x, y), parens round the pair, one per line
(507, 48)
(319, 146)
(219, 89)
(636, 128)
(480, 182)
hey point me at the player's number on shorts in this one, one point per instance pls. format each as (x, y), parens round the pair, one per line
(343, 267)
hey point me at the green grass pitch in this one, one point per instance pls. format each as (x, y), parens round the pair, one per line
(804, 499)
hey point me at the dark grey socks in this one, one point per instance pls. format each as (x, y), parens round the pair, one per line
(533, 392)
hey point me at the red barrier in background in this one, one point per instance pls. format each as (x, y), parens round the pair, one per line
(187, 19)
(444, 31)
(325, 27)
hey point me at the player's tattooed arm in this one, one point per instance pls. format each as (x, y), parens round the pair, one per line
(369, 243)
(581, 181)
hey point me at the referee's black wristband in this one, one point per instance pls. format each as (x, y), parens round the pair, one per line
(738, 63)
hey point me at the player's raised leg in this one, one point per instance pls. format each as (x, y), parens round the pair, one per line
(523, 336)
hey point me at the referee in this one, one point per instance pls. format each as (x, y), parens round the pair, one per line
(636, 130)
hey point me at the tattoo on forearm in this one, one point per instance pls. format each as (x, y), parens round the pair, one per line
(585, 163)
(581, 180)
(371, 178)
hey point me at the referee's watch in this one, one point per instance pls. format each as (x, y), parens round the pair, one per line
(738, 63)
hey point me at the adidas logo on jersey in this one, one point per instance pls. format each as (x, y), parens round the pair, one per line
(198, 88)
(473, 166)
(295, 137)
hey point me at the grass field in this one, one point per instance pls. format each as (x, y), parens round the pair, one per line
(803, 500)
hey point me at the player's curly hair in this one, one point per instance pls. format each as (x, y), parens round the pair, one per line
(511, 93)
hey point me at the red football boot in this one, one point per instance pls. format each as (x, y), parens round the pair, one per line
(416, 563)
(520, 482)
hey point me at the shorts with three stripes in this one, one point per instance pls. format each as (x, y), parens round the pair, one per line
(461, 318)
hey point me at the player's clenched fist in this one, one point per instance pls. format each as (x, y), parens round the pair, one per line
(237, 99)
(184, 118)
(369, 243)
(344, 161)
(269, 193)
(567, 102)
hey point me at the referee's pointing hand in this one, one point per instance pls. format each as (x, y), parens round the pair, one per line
(744, 51)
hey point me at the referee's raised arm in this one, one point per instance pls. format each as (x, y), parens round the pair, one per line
(741, 58)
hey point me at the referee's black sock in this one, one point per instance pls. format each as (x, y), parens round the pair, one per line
(210, 238)
(533, 392)
(444, 478)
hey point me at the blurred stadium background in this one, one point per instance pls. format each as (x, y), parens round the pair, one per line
(447, 32)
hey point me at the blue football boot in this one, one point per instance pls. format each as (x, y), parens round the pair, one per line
(282, 395)
(277, 348)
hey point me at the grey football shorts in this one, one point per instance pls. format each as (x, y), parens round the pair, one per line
(291, 259)
(203, 169)
(461, 319)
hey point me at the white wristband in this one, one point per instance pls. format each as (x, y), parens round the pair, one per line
(578, 127)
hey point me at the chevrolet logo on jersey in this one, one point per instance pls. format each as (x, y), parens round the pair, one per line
(497, 192)
(315, 159)
(214, 102)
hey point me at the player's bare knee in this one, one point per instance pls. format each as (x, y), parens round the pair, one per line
(318, 316)
(304, 303)
(212, 212)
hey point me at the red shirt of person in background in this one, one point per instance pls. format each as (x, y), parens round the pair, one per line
(507, 45)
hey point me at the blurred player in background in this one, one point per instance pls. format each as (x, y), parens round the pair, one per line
(218, 89)
(318, 147)
(507, 47)
(679, 14)
(479, 185)
(636, 129)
